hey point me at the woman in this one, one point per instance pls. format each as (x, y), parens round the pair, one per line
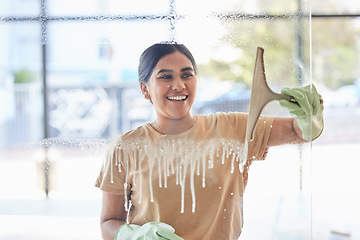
(177, 177)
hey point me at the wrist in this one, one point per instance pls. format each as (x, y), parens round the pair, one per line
(297, 130)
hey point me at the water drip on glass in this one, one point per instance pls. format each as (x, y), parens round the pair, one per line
(177, 158)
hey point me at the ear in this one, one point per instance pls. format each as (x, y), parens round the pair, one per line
(144, 90)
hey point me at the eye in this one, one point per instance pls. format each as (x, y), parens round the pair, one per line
(166, 77)
(187, 75)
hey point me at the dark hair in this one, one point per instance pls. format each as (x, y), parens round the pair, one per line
(151, 56)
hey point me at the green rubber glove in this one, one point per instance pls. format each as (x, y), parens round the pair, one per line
(148, 231)
(308, 112)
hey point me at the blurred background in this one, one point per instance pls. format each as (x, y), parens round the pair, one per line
(68, 86)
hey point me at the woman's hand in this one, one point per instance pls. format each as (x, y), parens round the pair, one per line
(150, 231)
(308, 110)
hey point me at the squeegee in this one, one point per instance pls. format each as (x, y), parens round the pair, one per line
(261, 94)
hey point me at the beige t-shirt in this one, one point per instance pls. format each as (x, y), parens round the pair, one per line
(193, 181)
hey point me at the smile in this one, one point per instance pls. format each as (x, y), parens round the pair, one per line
(177, 98)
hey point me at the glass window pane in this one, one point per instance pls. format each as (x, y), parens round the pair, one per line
(21, 108)
(17, 8)
(93, 46)
(227, 56)
(89, 64)
(335, 7)
(105, 7)
(204, 7)
(226, 60)
(94, 95)
(336, 68)
(20, 70)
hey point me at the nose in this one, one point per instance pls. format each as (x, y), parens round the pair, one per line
(178, 84)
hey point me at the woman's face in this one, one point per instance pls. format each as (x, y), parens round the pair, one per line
(172, 86)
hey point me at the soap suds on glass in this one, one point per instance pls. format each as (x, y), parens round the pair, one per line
(173, 157)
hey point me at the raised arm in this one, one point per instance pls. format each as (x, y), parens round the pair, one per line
(285, 131)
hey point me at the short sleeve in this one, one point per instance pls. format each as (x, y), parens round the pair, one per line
(112, 177)
(259, 146)
(233, 125)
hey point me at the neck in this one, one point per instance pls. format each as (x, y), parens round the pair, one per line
(173, 126)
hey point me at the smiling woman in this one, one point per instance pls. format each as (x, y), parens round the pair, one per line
(89, 63)
(170, 85)
(172, 151)
(172, 91)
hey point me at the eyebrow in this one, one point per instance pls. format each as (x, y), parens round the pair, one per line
(187, 69)
(171, 71)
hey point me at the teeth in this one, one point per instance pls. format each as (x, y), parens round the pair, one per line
(177, 98)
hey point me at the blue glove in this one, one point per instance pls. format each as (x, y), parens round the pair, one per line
(148, 231)
(308, 111)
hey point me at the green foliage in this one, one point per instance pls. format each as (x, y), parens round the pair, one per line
(247, 35)
(333, 51)
(24, 76)
(220, 70)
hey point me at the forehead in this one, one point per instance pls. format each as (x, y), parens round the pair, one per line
(176, 60)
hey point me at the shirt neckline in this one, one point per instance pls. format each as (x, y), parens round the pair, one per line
(187, 132)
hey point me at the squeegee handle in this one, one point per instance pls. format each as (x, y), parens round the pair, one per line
(286, 97)
(293, 100)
